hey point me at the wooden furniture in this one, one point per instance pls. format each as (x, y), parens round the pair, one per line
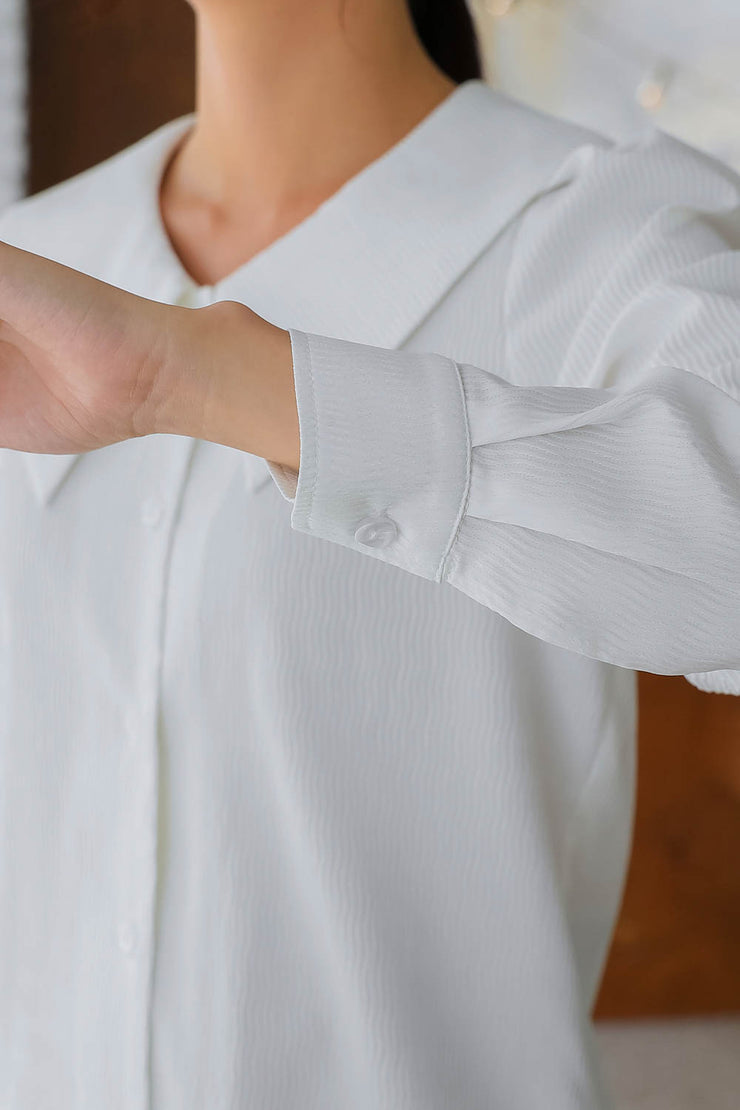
(103, 73)
(676, 947)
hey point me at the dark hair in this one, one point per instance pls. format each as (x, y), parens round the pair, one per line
(447, 32)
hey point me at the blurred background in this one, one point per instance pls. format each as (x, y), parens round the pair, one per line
(81, 79)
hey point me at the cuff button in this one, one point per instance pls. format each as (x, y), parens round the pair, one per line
(376, 531)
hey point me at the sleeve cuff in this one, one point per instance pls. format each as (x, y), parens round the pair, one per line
(385, 451)
(285, 479)
(716, 682)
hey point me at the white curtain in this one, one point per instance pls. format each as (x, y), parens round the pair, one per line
(12, 99)
(623, 66)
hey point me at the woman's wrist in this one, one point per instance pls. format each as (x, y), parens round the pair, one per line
(229, 380)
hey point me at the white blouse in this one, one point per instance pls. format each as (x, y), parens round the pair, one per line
(286, 821)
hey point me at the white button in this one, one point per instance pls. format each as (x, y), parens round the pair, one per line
(127, 937)
(377, 531)
(151, 512)
(650, 94)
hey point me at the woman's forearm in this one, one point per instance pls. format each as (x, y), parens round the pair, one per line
(235, 376)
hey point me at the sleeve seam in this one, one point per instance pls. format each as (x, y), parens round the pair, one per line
(315, 420)
(442, 568)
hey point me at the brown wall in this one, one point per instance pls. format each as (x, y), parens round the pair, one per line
(105, 72)
(676, 947)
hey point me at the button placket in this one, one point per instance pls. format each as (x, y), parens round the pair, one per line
(133, 928)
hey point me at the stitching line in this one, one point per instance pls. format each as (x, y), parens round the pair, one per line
(442, 568)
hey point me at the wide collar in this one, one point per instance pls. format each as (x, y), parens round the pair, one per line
(374, 259)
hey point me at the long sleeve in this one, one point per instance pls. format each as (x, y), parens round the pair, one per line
(601, 517)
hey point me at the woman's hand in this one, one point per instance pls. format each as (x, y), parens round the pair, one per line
(83, 364)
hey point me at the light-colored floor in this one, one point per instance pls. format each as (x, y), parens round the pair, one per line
(672, 1065)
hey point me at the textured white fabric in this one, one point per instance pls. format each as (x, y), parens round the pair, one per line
(601, 512)
(12, 99)
(284, 825)
(625, 66)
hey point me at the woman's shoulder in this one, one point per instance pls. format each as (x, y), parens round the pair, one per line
(648, 223)
(611, 192)
(67, 221)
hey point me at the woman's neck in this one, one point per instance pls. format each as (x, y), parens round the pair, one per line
(293, 99)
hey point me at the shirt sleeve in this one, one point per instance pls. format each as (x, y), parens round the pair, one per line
(603, 518)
